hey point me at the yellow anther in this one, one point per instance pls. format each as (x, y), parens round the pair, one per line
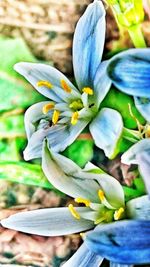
(65, 86)
(76, 105)
(88, 90)
(55, 116)
(74, 213)
(147, 131)
(44, 83)
(48, 107)
(80, 200)
(101, 195)
(118, 214)
(74, 118)
(82, 235)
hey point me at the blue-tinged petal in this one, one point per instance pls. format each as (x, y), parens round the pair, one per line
(112, 264)
(143, 106)
(130, 156)
(47, 222)
(138, 208)
(143, 159)
(84, 258)
(33, 115)
(59, 137)
(106, 130)
(88, 44)
(102, 83)
(73, 187)
(129, 71)
(35, 72)
(124, 242)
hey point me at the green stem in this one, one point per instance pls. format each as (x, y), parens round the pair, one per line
(136, 35)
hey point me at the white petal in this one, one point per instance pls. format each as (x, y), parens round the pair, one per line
(47, 222)
(84, 258)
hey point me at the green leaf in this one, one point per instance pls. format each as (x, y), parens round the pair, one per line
(16, 91)
(12, 126)
(13, 51)
(81, 151)
(139, 185)
(25, 173)
(9, 150)
(120, 102)
(131, 193)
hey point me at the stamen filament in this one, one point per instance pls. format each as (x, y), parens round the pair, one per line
(74, 118)
(88, 90)
(44, 83)
(83, 201)
(65, 86)
(74, 213)
(46, 108)
(118, 214)
(100, 220)
(104, 200)
(55, 116)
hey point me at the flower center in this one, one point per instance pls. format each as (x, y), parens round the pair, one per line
(97, 212)
(75, 106)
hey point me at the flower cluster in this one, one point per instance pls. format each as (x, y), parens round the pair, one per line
(111, 227)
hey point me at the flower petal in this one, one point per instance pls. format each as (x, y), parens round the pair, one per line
(88, 44)
(138, 208)
(106, 130)
(144, 168)
(102, 83)
(71, 186)
(84, 258)
(112, 264)
(47, 222)
(124, 242)
(32, 115)
(130, 156)
(129, 71)
(59, 137)
(35, 72)
(143, 105)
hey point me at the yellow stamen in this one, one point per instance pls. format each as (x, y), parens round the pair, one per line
(101, 195)
(44, 83)
(88, 90)
(147, 131)
(74, 213)
(65, 86)
(55, 116)
(74, 118)
(83, 201)
(118, 214)
(82, 235)
(48, 107)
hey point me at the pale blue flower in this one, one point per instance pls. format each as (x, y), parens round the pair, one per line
(129, 72)
(125, 242)
(70, 110)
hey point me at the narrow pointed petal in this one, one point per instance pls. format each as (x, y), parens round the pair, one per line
(32, 115)
(35, 72)
(143, 106)
(84, 258)
(124, 242)
(139, 208)
(144, 168)
(130, 156)
(47, 222)
(129, 72)
(88, 44)
(106, 130)
(102, 83)
(71, 186)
